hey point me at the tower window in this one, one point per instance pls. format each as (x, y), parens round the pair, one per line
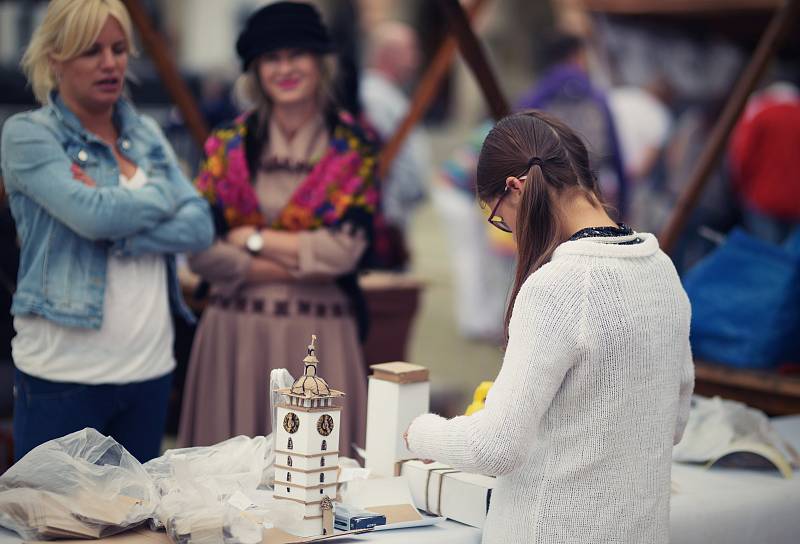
(322, 477)
(324, 445)
(290, 445)
(288, 476)
(288, 490)
(289, 461)
(322, 461)
(320, 492)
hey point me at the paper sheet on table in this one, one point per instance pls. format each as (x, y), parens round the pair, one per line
(376, 491)
(388, 496)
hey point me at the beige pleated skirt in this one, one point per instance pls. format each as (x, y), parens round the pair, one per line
(240, 340)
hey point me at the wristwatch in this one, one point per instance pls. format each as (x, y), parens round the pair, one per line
(255, 243)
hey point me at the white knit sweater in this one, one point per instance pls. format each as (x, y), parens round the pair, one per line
(593, 392)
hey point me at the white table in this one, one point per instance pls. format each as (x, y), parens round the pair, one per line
(447, 532)
(717, 506)
(729, 506)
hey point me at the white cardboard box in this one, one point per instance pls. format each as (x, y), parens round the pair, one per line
(440, 490)
(398, 393)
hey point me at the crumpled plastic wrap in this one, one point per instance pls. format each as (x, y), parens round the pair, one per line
(82, 485)
(196, 483)
(716, 424)
(85, 485)
(211, 494)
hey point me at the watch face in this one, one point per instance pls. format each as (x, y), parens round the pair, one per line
(325, 425)
(291, 423)
(255, 242)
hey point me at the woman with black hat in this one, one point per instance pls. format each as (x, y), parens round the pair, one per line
(292, 184)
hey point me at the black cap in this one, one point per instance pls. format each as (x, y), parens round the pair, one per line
(281, 25)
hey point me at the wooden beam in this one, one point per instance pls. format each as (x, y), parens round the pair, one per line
(167, 70)
(781, 23)
(473, 53)
(678, 7)
(774, 393)
(425, 93)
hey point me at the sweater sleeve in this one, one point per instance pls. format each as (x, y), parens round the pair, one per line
(543, 345)
(685, 394)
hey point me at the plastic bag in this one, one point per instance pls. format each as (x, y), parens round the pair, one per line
(716, 425)
(279, 378)
(746, 303)
(211, 494)
(83, 485)
(195, 484)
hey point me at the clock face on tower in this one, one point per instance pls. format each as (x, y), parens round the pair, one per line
(325, 425)
(291, 423)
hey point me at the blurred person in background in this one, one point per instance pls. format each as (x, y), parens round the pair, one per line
(392, 62)
(717, 209)
(101, 208)
(292, 185)
(481, 257)
(644, 124)
(764, 154)
(566, 90)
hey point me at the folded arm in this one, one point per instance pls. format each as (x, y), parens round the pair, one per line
(191, 229)
(321, 253)
(35, 164)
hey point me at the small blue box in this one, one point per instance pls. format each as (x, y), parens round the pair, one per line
(348, 518)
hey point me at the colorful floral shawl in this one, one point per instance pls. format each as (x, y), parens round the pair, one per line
(340, 188)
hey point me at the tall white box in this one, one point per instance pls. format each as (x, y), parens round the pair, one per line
(398, 393)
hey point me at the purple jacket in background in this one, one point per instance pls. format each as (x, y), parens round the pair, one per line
(567, 92)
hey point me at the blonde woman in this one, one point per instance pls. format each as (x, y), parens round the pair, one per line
(101, 207)
(292, 186)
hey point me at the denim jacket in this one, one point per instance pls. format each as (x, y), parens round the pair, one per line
(67, 230)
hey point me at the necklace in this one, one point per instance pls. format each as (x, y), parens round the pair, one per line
(607, 232)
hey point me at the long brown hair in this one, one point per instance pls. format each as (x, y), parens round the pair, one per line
(555, 161)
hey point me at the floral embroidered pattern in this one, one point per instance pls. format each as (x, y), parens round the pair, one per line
(341, 181)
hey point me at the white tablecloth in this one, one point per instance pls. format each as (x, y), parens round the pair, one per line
(728, 506)
(718, 506)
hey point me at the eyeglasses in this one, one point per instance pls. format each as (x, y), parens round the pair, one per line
(496, 220)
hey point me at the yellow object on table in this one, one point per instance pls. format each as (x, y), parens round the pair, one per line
(479, 398)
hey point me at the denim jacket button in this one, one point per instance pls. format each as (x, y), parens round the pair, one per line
(83, 156)
(126, 144)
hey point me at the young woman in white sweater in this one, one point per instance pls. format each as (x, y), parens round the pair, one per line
(597, 375)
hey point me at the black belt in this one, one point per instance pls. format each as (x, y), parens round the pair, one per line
(281, 308)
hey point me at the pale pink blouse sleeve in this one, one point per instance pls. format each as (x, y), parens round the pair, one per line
(223, 264)
(329, 252)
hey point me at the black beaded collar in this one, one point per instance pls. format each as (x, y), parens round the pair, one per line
(607, 232)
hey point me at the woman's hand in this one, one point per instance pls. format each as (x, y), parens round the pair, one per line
(238, 236)
(405, 439)
(79, 175)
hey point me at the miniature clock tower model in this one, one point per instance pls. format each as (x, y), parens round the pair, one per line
(307, 447)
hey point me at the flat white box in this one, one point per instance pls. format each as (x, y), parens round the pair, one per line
(442, 491)
(391, 407)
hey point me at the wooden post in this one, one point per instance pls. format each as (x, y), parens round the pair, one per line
(781, 22)
(475, 56)
(425, 93)
(156, 48)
